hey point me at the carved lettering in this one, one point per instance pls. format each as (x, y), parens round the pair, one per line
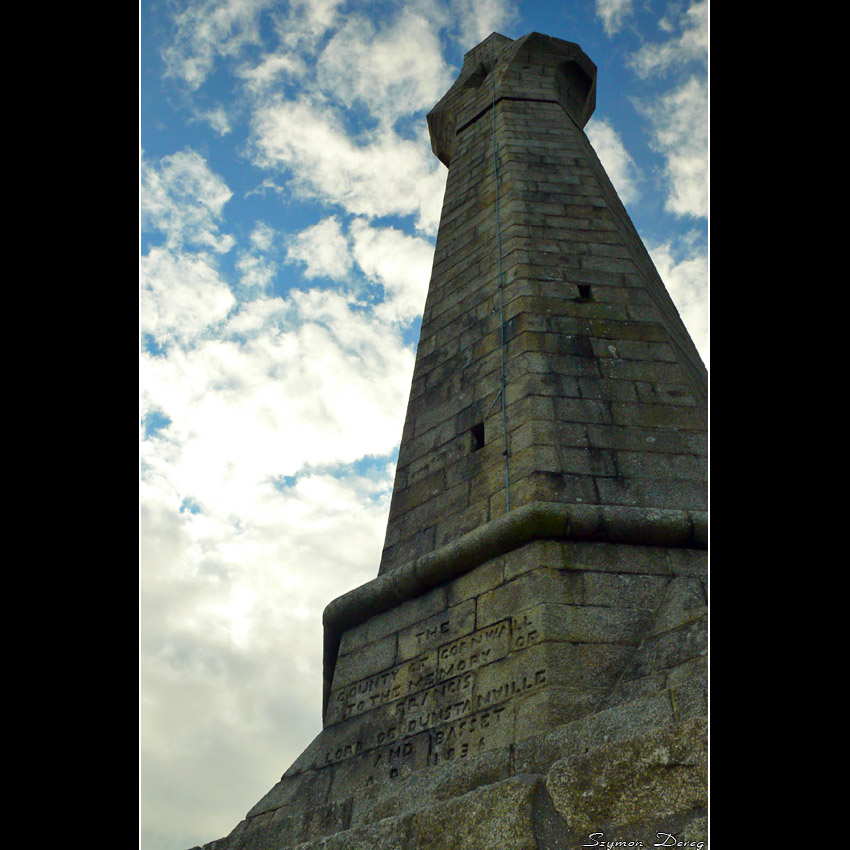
(452, 713)
(460, 739)
(473, 651)
(393, 757)
(432, 631)
(505, 691)
(524, 632)
(343, 751)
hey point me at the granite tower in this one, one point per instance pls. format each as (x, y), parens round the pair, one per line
(528, 668)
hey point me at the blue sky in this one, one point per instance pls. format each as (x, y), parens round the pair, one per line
(289, 202)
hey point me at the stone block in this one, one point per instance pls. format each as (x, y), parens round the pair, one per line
(449, 624)
(669, 649)
(473, 584)
(658, 776)
(408, 613)
(591, 624)
(683, 494)
(618, 590)
(540, 554)
(494, 817)
(617, 558)
(366, 661)
(526, 591)
(684, 602)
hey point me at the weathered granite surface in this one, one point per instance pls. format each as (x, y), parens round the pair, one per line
(528, 669)
(543, 300)
(549, 693)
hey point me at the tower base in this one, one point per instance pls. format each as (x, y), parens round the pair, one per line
(550, 696)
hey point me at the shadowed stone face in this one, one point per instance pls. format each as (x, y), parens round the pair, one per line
(535, 67)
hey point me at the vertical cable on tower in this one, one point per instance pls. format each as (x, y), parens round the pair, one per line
(501, 284)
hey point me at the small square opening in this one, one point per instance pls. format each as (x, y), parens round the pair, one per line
(584, 292)
(477, 432)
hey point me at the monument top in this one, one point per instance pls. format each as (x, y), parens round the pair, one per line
(536, 66)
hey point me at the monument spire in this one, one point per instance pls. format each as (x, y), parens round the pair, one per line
(528, 667)
(552, 364)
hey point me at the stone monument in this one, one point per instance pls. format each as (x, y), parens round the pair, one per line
(528, 670)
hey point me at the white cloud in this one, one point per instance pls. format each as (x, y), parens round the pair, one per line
(679, 117)
(383, 175)
(613, 13)
(182, 296)
(219, 120)
(256, 272)
(691, 45)
(476, 19)
(262, 237)
(323, 248)
(684, 270)
(252, 519)
(270, 70)
(209, 29)
(394, 71)
(305, 22)
(680, 134)
(401, 263)
(218, 694)
(311, 381)
(616, 160)
(182, 198)
(182, 293)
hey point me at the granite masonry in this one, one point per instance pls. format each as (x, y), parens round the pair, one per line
(528, 670)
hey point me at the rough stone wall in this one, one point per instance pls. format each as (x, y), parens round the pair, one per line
(532, 686)
(604, 391)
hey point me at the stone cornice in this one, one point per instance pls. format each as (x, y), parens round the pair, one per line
(537, 521)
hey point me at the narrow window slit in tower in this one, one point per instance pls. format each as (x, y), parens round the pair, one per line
(584, 292)
(477, 432)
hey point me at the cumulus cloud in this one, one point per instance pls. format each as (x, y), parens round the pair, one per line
(208, 29)
(182, 296)
(684, 269)
(218, 693)
(184, 200)
(305, 22)
(256, 272)
(262, 237)
(256, 511)
(680, 133)
(401, 263)
(689, 45)
(613, 13)
(476, 19)
(679, 117)
(270, 71)
(323, 249)
(219, 120)
(400, 68)
(283, 386)
(310, 142)
(618, 164)
(182, 293)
